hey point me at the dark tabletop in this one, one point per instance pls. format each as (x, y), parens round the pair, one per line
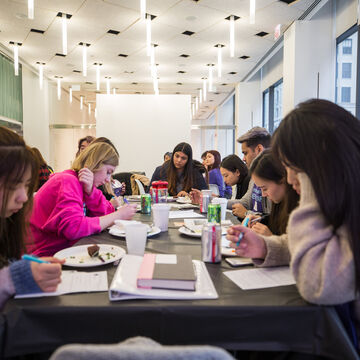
(264, 319)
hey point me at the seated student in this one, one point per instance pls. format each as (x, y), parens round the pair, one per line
(84, 143)
(69, 206)
(252, 143)
(212, 163)
(180, 172)
(269, 175)
(167, 156)
(45, 170)
(18, 178)
(323, 231)
(235, 172)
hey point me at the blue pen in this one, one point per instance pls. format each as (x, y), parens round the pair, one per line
(126, 202)
(246, 222)
(34, 259)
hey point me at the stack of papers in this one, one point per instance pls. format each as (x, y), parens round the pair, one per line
(184, 214)
(261, 278)
(75, 282)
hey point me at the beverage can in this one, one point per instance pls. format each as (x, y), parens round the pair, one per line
(214, 213)
(145, 204)
(211, 243)
(204, 203)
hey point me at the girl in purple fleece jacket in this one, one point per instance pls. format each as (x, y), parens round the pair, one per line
(69, 206)
(18, 177)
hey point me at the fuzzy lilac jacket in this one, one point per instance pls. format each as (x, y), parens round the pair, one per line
(58, 218)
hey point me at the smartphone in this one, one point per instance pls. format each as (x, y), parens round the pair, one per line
(236, 262)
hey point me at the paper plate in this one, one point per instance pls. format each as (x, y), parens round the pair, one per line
(77, 256)
(183, 200)
(116, 231)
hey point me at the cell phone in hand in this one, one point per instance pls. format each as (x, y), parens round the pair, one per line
(237, 262)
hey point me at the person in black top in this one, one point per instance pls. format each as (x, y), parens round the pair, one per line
(235, 172)
(180, 172)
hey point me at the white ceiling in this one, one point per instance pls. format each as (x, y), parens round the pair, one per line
(91, 19)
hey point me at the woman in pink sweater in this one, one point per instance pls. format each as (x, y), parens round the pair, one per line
(69, 206)
(319, 144)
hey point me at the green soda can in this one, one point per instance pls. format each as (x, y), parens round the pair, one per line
(214, 213)
(145, 204)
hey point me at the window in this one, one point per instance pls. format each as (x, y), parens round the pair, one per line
(346, 70)
(347, 47)
(272, 106)
(345, 94)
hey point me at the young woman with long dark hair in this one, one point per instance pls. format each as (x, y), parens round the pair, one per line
(18, 179)
(180, 172)
(269, 175)
(319, 144)
(212, 161)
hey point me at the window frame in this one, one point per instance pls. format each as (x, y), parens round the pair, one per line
(271, 109)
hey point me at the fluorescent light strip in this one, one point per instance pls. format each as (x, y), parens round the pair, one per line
(84, 59)
(204, 89)
(81, 102)
(31, 9)
(41, 76)
(70, 95)
(114, 91)
(252, 11)
(16, 59)
(219, 56)
(193, 109)
(200, 96)
(58, 88)
(142, 9)
(210, 77)
(148, 35)
(89, 109)
(97, 77)
(196, 104)
(64, 33)
(232, 36)
(108, 86)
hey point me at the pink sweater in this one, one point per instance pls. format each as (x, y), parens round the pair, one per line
(58, 218)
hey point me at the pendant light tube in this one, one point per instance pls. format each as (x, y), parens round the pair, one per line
(81, 102)
(196, 104)
(70, 95)
(252, 11)
(41, 76)
(200, 96)
(210, 77)
(84, 60)
(16, 59)
(97, 77)
(232, 36)
(58, 88)
(114, 91)
(89, 109)
(142, 9)
(193, 109)
(108, 85)
(219, 58)
(148, 35)
(64, 33)
(31, 9)
(204, 89)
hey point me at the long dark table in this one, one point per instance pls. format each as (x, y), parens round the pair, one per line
(275, 319)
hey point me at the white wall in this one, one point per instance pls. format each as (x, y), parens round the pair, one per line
(35, 112)
(143, 127)
(272, 71)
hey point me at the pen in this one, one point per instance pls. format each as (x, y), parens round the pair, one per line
(34, 259)
(126, 202)
(259, 218)
(246, 222)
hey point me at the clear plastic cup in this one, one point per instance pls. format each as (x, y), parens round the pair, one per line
(223, 204)
(136, 235)
(161, 216)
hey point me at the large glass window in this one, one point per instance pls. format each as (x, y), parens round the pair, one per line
(272, 106)
(346, 70)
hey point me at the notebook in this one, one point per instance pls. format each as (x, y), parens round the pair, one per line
(124, 283)
(167, 272)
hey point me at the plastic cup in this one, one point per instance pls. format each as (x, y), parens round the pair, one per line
(207, 192)
(223, 204)
(161, 216)
(136, 235)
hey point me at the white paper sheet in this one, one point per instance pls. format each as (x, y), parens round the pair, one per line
(75, 282)
(249, 279)
(184, 214)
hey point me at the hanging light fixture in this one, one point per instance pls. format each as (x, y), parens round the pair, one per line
(108, 85)
(196, 104)
(31, 9)
(89, 109)
(200, 96)
(252, 11)
(114, 91)
(41, 74)
(142, 9)
(193, 109)
(70, 95)
(64, 32)
(16, 56)
(219, 59)
(58, 80)
(210, 77)
(148, 34)
(97, 75)
(81, 102)
(232, 36)
(84, 57)
(204, 89)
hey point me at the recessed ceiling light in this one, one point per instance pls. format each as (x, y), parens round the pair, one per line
(37, 31)
(232, 73)
(188, 33)
(288, 1)
(123, 55)
(60, 14)
(177, 93)
(58, 54)
(184, 55)
(89, 83)
(178, 83)
(113, 32)
(134, 83)
(181, 72)
(76, 71)
(224, 84)
(244, 57)
(262, 33)
(217, 93)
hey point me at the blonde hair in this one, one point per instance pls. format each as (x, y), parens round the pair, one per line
(96, 155)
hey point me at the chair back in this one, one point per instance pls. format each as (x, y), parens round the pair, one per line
(140, 186)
